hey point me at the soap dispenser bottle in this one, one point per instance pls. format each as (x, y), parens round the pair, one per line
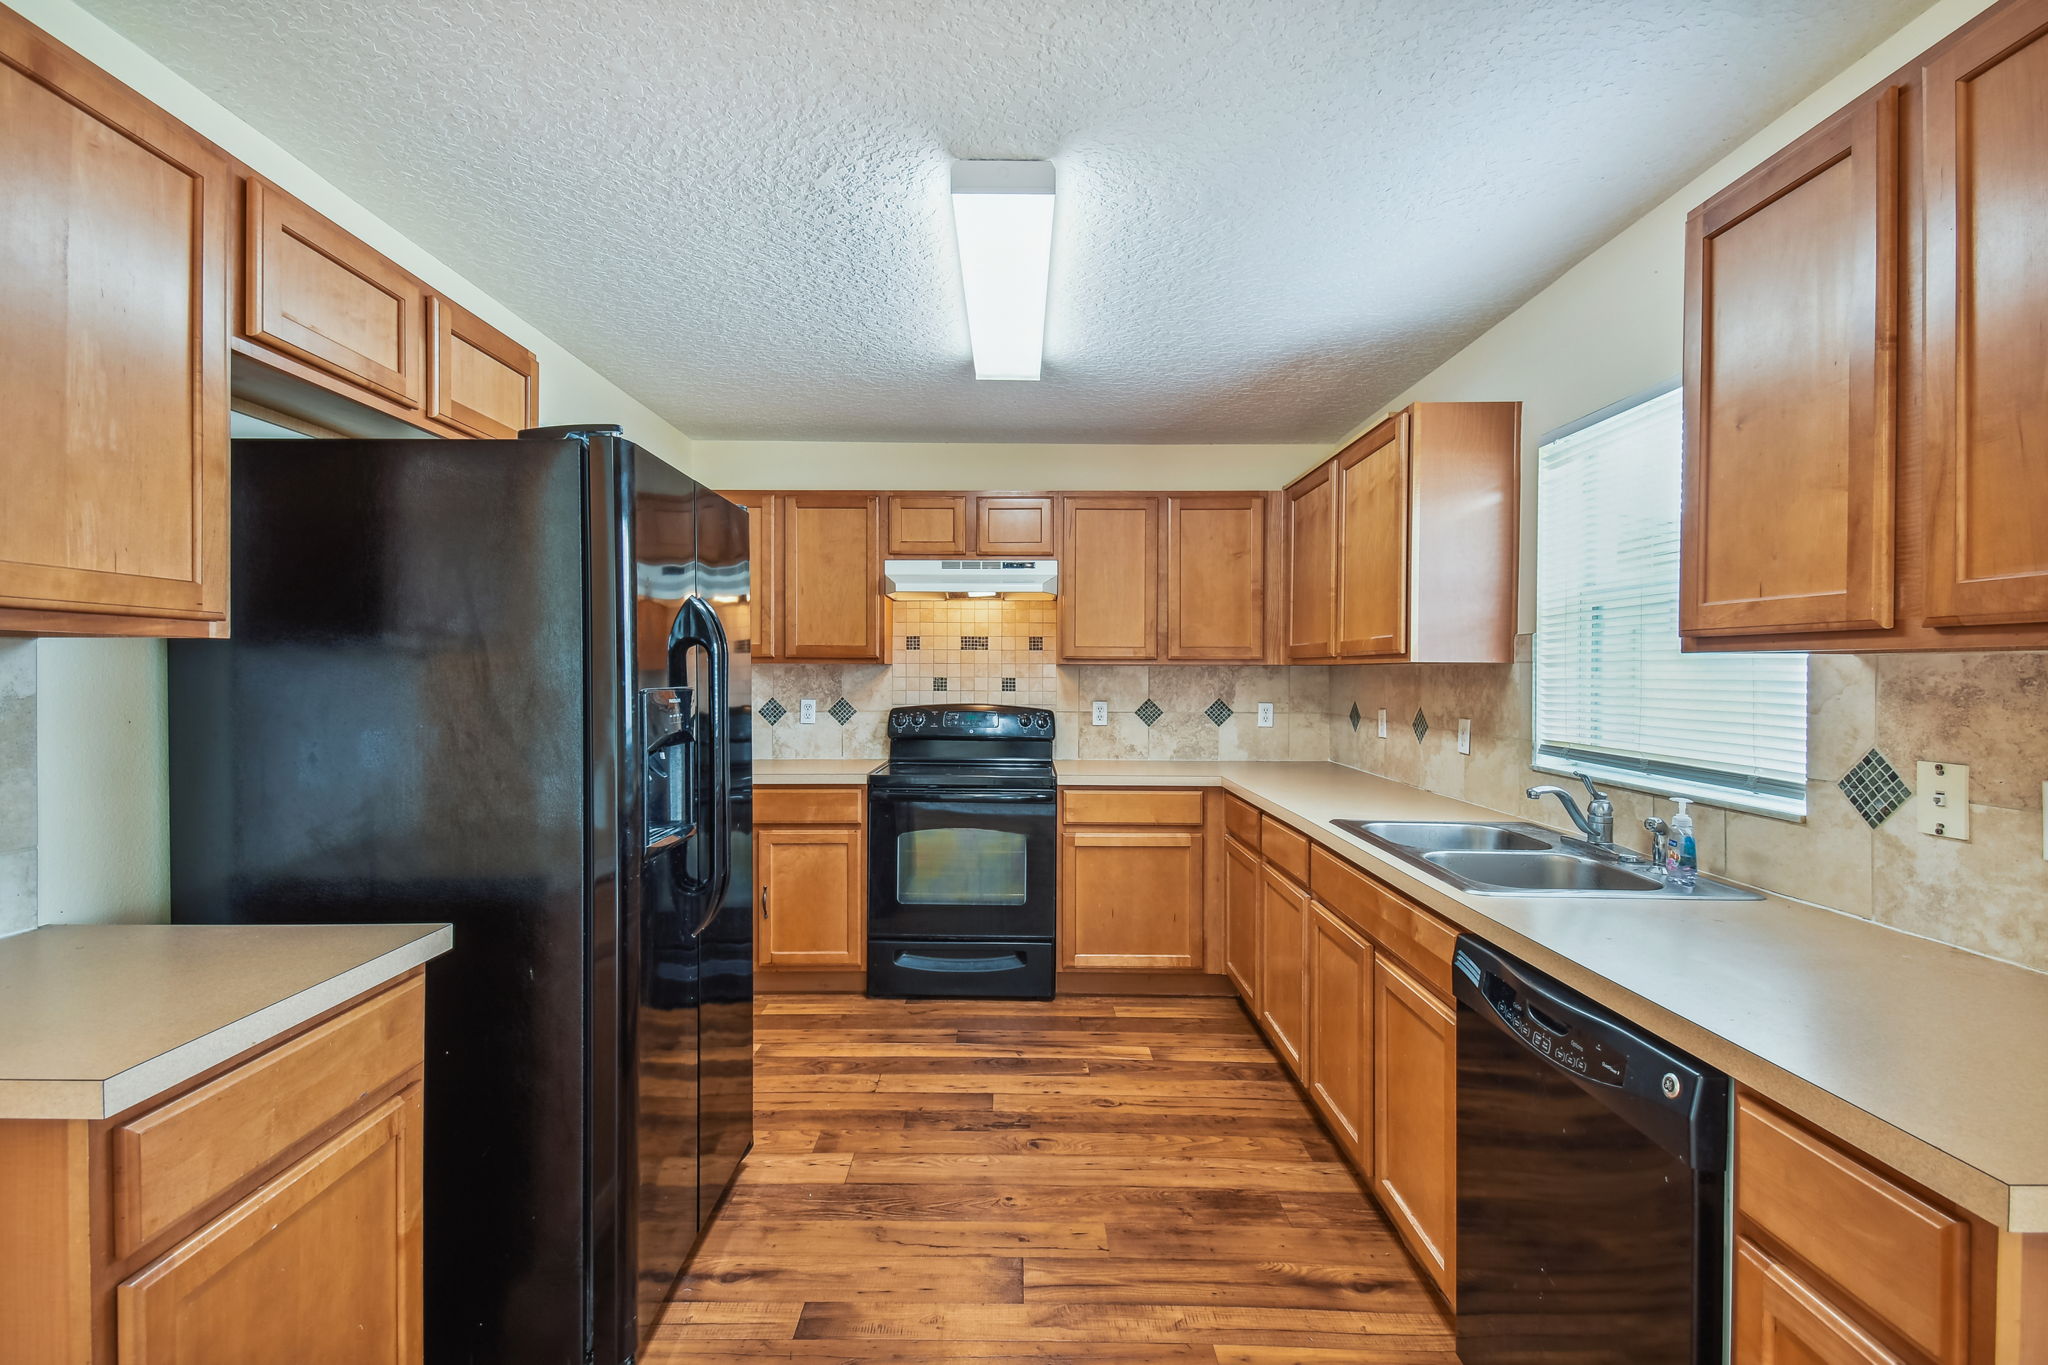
(1681, 852)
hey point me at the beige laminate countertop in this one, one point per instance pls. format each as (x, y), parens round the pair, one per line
(97, 1018)
(1929, 1058)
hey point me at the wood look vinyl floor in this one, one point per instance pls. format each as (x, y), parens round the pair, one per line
(1110, 1179)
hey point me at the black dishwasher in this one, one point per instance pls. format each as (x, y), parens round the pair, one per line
(1592, 1162)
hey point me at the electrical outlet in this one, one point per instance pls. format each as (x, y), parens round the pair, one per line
(1464, 736)
(1944, 800)
(1383, 722)
(807, 711)
(1266, 715)
(1099, 714)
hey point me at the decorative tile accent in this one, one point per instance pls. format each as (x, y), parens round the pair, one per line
(1009, 684)
(974, 642)
(1038, 642)
(1875, 788)
(938, 684)
(1355, 717)
(842, 710)
(913, 642)
(1420, 725)
(773, 710)
(1148, 711)
(743, 646)
(1217, 712)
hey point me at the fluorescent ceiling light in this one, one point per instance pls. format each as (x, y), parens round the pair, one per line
(1002, 217)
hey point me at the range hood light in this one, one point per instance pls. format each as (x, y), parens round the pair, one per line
(914, 580)
(1002, 220)
(977, 594)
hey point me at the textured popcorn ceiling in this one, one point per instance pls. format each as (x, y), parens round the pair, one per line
(1274, 213)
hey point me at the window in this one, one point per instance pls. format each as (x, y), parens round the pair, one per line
(1615, 696)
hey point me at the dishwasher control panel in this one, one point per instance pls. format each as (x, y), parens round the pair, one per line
(1557, 1040)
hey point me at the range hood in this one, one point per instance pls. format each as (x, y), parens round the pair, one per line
(927, 579)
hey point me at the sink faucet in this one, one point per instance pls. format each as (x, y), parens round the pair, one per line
(1596, 822)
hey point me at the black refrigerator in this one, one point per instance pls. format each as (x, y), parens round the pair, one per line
(504, 684)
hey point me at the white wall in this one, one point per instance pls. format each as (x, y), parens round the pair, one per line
(989, 464)
(100, 736)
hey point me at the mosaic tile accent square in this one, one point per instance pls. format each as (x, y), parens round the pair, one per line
(1420, 725)
(1038, 642)
(938, 684)
(1149, 712)
(842, 710)
(1217, 712)
(1009, 684)
(974, 642)
(773, 710)
(913, 642)
(1875, 788)
(1355, 717)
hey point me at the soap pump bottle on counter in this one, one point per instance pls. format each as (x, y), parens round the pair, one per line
(1681, 852)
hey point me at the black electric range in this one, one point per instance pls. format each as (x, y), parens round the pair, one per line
(962, 854)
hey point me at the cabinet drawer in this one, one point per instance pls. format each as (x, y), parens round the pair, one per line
(1902, 1261)
(172, 1161)
(1121, 807)
(809, 805)
(1343, 888)
(1285, 848)
(1241, 819)
(1423, 942)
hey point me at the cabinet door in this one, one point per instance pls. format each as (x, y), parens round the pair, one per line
(1312, 565)
(1986, 180)
(113, 356)
(1216, 576)
(479, 379)
(1241, 890)
(1371, 475)
(1780, 1320)
(1109, 596)
(1791, 342)
(928, 523)
(316, 293)
(811, 898)
(320, 1266)
(831, 589)
(1414, 1118)
(753, 630)
(1131, 899)
(1023, 526)
(1340, 988)
(1283, 973)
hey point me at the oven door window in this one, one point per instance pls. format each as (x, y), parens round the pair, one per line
(961, 866)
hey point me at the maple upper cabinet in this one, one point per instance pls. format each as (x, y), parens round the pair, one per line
(1109, 578)
(756, 637)
(1215, 563)
(1792, 297)
(479, 379)
(1311, 526)
(1985, 168)
(319, 295)
(1023, 525)
(829, 602)
(1401, 547)
(930, 523)
(113, 360)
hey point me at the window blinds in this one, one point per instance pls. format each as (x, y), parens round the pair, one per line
(1614, 694)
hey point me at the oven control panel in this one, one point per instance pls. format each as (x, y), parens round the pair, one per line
(970, 721)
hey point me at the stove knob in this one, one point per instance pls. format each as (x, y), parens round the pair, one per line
(918, 719)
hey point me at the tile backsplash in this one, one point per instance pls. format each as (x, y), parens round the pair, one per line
(17, 786)
(1989, 893)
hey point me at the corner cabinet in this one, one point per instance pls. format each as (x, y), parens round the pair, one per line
(114, 360)
(1402, 546)
(1866, 423)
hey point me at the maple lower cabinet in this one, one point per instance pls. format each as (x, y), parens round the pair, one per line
(270, 1210)
(479, 380)
(1414, 1117)
(113, 357)
(1340, 1010)
(1242, 886)
(1133, 883)
(1109, 578)
(829, 602)
(810, 878)
(1283, 976)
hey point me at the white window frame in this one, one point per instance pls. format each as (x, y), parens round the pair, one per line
(1638, 770)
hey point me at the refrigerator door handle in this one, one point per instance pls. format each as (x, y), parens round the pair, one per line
(698, 627)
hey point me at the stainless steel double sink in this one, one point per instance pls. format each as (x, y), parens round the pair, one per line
(1512, 858)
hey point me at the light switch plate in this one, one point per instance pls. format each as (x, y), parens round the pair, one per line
(1383, 722)
(807, 711)
(1099, 713)
(1464, 736)
(1943, 800)
(1266, 715)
